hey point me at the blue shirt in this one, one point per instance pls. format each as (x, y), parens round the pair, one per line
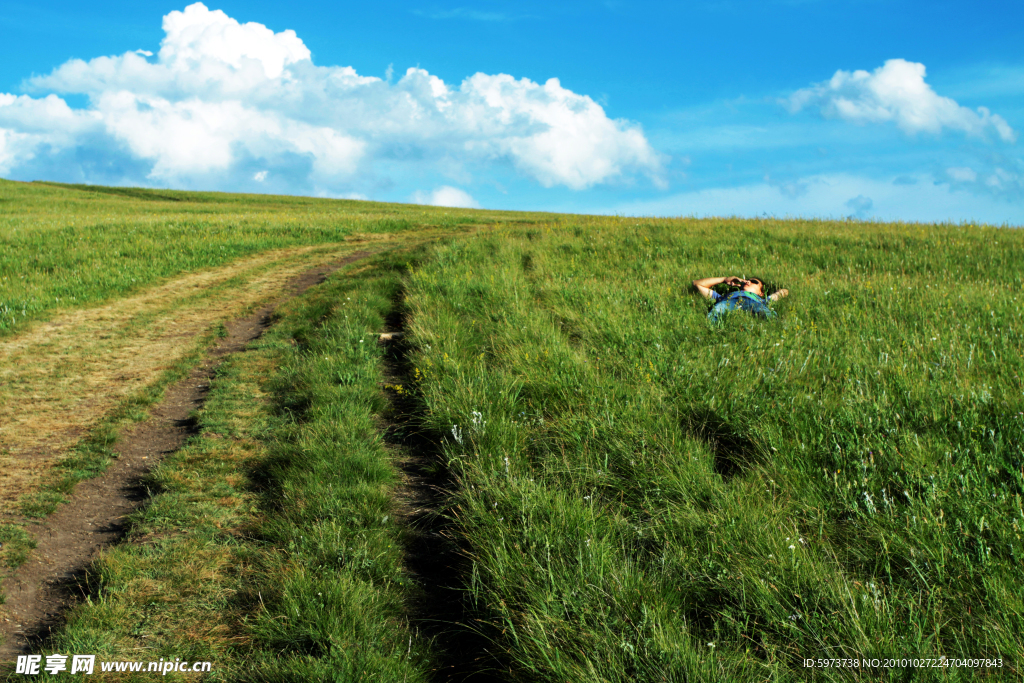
(747, 301)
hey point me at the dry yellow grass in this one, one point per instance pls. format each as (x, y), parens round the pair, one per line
(61, 377)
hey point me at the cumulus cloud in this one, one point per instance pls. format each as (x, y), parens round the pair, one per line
(896, 92)
(445, 196)
(29, 126)
(224, 100)
(197, 35)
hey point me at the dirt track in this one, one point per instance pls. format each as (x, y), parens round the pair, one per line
(40, 590)
(59, 378)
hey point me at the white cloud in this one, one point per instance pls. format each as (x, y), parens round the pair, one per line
(197, 35)
(29, 125)
(260, 176)
(445, 196)
(994, 179)
(222, 100)
(897, 92)
(561, 139)
(828, 196)
(8, 149)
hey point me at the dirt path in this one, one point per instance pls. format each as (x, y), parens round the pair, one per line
(40, 590)
(61, 377)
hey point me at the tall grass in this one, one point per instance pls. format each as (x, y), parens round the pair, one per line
(646, 496)
(66, 246)
(336, 587)
(271, 546)
(641, 495)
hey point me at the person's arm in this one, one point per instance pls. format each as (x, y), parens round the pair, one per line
(704, 285)
(779, 294)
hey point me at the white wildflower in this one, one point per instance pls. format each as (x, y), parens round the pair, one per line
(478, 423)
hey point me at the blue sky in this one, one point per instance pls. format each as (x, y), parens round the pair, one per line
(896, 110)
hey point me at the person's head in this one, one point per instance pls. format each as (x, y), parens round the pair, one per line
(754, 286)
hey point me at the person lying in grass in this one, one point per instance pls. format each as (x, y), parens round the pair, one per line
(750, 296)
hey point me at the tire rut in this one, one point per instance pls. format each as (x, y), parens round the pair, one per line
(39, 592)
(433, 554)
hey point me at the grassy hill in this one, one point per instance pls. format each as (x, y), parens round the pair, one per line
(626, 491)
(643, 492)
(66, 246)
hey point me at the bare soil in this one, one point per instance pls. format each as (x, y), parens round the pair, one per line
(40, 591)
(433, 555)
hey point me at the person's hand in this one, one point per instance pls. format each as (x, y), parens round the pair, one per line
(734, 281)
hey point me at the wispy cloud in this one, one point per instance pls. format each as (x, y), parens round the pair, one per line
(1004, 181)
(839, 196)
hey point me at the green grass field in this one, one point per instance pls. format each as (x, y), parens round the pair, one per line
(271, 547)
(637, 495)
(67, 246)
(646, 496)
